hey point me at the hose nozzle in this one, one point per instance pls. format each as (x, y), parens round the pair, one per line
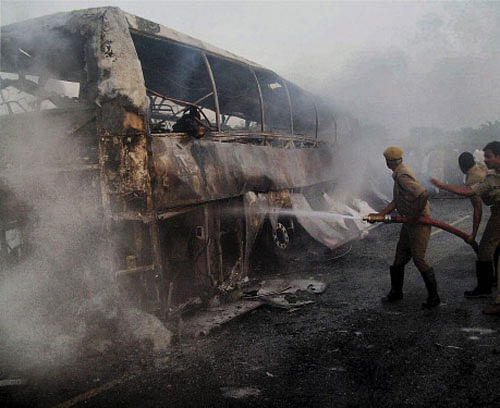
(377, 218)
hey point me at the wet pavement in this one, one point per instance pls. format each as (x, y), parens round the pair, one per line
(346, 349)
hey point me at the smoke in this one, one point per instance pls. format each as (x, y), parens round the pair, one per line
(440, 75)
(57, 301)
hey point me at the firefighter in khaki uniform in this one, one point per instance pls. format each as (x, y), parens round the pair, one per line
(411, 200)
(489, 191)
(473, 175)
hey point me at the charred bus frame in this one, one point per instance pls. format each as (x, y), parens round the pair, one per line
(180, 215)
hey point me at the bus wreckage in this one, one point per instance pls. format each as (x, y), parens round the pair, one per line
(169, 155)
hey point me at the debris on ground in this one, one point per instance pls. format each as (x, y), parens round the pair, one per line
(240, 392)
(477, 330)
(280, 293)
(204, 322)
(12, 382)
(282, 286)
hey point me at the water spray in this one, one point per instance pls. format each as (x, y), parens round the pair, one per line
(389, 219)
(313, 214)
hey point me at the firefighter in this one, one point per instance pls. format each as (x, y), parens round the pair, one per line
(411, 200)
(489, 191)
(473, 175)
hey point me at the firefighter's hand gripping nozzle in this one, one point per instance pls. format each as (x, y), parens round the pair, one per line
(373, 218)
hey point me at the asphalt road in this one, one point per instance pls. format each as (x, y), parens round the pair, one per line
(347, 349)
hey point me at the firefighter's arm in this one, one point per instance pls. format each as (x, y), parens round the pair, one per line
(420, 203)
(388, 209)
(460, 190)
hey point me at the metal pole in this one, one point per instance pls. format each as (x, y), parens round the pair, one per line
(214, 89)
(261, 100)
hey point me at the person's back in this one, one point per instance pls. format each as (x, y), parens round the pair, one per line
(406, 190)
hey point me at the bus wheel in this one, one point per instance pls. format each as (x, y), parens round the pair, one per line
(281, 237)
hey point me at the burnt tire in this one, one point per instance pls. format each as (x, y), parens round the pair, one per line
(282, 243)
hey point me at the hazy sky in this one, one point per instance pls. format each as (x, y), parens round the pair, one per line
(397, 63)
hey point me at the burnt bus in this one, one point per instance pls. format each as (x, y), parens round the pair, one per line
(172, 153)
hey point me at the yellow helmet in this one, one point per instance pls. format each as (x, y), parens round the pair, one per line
(393, 153)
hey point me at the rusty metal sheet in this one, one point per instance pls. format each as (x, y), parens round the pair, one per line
(256, 207)
(192, 171)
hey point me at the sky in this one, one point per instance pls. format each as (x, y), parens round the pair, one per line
(398, 64)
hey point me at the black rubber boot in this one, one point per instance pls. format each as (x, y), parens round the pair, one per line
(496, 266)
(397, 279)
(431, 285)
(484, 272)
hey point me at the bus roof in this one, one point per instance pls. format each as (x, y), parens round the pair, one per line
(71, 20)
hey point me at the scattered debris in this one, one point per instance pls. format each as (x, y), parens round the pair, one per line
(291, 286)
(187, 306)
(337, 369)
(204, 322)
(451, 347)
(279, 293)
(261, 295)
(240, 392)
(12, 382)
(283, 303)
(478, 330)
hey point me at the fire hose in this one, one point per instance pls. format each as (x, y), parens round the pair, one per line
(389, 219)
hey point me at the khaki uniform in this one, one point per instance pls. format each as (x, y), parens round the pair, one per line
(489, 191)
(413, 239)
(473, 176)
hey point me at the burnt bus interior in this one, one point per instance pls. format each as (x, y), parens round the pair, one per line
(166, 259)
(252, 102)
(41, 90)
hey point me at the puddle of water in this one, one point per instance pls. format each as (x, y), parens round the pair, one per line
(240, 392)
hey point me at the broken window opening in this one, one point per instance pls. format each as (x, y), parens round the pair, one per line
(239, 99)
(179, 116)
(276, 103)
(176, 79)
(304, 113)
(327, 129)
(31, 93)
(179, 76)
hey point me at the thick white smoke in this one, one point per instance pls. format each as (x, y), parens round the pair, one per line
(58, 301)
(441, 75)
